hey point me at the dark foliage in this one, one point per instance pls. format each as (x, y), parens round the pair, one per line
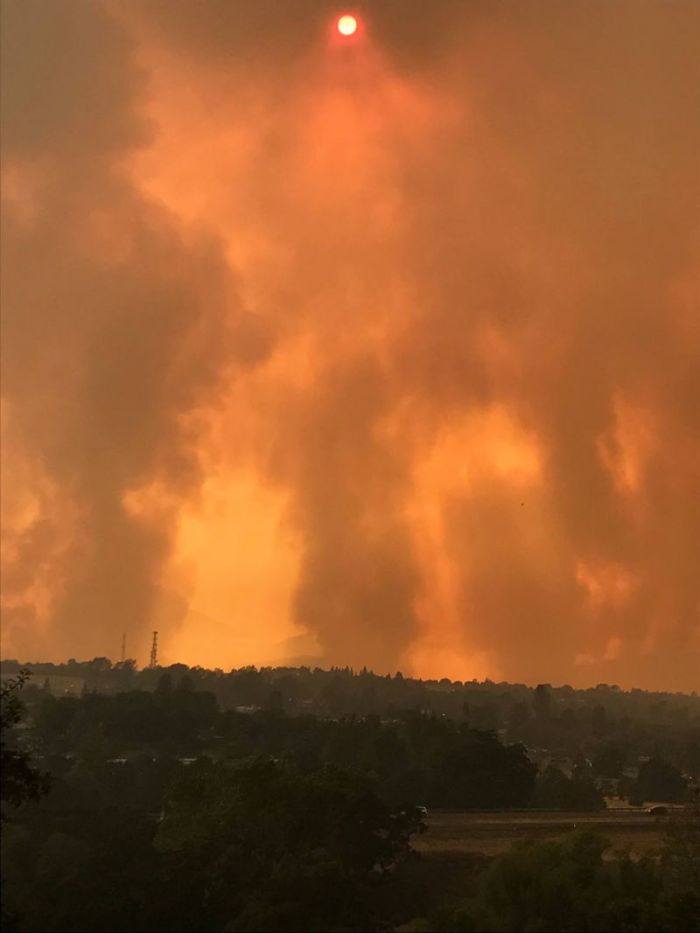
(171, 809)
(569, 885)
(19, 780)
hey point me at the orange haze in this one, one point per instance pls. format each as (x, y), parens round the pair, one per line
(382, 352)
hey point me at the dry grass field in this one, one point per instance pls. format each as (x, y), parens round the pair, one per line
(460, 833)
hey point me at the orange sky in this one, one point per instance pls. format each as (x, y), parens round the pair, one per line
(381, 351)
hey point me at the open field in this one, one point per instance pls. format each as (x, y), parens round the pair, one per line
(458, 832)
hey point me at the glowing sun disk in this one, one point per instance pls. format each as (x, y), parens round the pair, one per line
(347, 25)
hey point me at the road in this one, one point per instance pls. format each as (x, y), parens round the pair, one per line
(616, 818)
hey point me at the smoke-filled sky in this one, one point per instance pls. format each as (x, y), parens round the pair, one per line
(381, 351)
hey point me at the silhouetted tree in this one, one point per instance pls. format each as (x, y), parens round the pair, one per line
(542, 701)
(19, 779)
(660, 780)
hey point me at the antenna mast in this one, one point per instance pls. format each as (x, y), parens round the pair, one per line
(154, 651)
(123, 647)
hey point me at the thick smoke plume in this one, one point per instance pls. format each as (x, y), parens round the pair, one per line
(383, 352)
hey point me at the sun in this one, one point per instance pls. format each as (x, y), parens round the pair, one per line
(347, 25)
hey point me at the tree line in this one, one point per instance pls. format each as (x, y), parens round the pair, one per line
(604, 722)
(159, 810)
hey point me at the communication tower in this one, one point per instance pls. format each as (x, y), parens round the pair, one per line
(154, 651)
